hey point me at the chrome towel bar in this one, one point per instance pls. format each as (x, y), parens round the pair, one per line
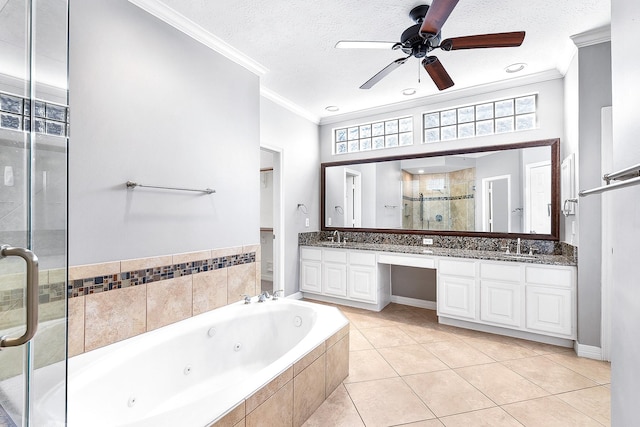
(627, 177)
(131, 184)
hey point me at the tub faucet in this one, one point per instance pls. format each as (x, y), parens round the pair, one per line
(247, 298)
(263, 296)
(275, 294)
(336, 233)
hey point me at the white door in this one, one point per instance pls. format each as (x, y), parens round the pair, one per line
(352, 199)
(497, 204)
(538, 209)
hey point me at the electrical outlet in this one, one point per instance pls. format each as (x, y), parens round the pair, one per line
(306, 222)
(426, 241)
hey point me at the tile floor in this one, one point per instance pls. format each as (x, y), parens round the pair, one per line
(406, 369)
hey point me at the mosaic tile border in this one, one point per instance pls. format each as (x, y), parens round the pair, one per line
(13, 299)
(93, 285)
(431, 199)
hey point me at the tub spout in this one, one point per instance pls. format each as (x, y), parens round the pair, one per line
(263, 296)
(247, 298)
(275, 294)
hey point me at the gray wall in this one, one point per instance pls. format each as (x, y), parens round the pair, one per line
(594, 79)
(298, 139)
(625, 375)
(150, 104)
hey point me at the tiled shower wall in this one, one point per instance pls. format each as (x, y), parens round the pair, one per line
(114, 301)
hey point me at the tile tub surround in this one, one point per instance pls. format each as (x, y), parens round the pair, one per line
(295, 394)
(548, 252)
(114, 301)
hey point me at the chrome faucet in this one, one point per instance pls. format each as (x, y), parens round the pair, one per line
(336, 232)
(263, 296)
(275, 294)
(518, 247)
(247, 298)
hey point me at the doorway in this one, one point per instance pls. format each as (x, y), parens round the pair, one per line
(538, 198)
(496, 192)
(33, 210)
(353, 199)
(271, 222)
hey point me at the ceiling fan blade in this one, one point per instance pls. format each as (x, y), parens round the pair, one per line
(354, 44)
(436, 16)
(484, 41)
(382, 73)
(437, 72)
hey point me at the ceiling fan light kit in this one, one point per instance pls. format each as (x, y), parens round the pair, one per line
(420, 39)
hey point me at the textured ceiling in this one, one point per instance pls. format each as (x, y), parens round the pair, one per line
(295, 40)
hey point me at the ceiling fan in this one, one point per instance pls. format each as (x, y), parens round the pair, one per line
(423, 37)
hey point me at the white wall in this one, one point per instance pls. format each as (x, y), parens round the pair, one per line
(151, 105)
(625, 374)
(298, 139)
(550, 120)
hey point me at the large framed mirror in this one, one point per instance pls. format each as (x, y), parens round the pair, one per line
(504, 191)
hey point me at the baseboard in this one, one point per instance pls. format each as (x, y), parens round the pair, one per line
(297, 295)
(413, 302)
(588, 351)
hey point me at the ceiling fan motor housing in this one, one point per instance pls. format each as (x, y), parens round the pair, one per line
(414, 44)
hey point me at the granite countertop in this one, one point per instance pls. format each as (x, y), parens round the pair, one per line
(446, 252)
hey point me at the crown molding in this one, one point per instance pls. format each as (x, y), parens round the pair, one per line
(198, 33)
(591, 37)
(446, 96)
(289, 105)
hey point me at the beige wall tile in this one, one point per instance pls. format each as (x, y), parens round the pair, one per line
(309, 391)
(241, 423)
(209, 290)
(14, 281)
(220, 252)
(241, 279)
(169, 301)
(235, 416)
(275, 411)
(76, 326)
(94, 270)
(143, 263)
(259, 397)
(252, 248)
(308, 359)
(337, 364)
(57, 275)
(191, 256)
(114, 315)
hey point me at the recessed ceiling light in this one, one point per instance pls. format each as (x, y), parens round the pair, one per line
(332, 108)
(421, 171)
(514, 68)
(409, 91)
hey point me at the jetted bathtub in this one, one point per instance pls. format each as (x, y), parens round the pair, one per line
(193, 372)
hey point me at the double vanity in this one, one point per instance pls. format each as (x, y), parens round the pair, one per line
(531, 297)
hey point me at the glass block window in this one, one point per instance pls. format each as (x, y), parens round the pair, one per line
(505, 115)
(374, 136)
(50, 119)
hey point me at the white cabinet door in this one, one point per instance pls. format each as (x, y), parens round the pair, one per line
(501, 302)
(362, 283)
(310, 276)
(549, 310)
(457, 296)
(335, 279)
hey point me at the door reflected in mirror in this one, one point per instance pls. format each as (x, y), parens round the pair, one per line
(494, 190)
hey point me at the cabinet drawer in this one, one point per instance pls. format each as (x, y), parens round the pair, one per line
(335, 256)
(509, 273)
(457, 268)
(311, 254)
(361, 258)
(549, 276)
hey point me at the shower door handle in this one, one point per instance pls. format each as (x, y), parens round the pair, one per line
(32, 294)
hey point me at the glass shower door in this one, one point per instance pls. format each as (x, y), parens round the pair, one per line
(33, 211)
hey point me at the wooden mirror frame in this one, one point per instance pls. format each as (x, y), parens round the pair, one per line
(554, 145)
